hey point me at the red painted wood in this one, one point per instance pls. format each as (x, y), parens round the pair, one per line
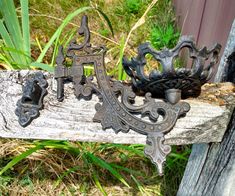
(209, 21)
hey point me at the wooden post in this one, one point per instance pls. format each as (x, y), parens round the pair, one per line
(211, 167)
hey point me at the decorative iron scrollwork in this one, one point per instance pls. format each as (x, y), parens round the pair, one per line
(31, 102)
(117, 108)
(189, 81)
(120, 115)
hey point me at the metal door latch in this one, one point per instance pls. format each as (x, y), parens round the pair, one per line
(31, 102)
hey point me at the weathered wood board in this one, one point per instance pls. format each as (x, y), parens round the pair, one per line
(72, 118)
(211, 167)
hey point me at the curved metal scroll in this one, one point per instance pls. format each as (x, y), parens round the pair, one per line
(111, 113)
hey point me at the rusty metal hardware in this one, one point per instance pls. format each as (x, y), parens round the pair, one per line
(189, 81)
(31, 102)
(120, 115)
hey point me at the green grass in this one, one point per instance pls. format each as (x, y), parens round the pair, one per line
(164, 37)
(85, 165)
(133, 6)
(16, 36)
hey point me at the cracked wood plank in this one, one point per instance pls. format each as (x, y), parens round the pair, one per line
(72, 119)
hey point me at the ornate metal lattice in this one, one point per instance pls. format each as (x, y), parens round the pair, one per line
(188, 80)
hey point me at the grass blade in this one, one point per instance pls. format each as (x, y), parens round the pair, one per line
(7, 9)
(8, 41)
(130, 171)
(107, 20)
(128, 148)
(25, 26)
(140, 187)
(59, 145)
(7, 65)
(43, 66)
(179, 156)
(105, 165)
(121, 74)
(64, 174)
(88, 70)
(97, 183)
(67, 38)
(20, 157)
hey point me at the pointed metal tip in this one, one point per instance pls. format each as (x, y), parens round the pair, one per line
(160, 169)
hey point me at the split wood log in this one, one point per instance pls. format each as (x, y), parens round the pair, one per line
(71, 119)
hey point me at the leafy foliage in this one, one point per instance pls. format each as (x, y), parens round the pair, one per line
(133, 6)
(164, 37)
(16, 50)
(15, 37)
(94, 163)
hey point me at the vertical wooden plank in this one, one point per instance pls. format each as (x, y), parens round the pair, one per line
(216, 23)
(223, 66)
(189, 15)
(211, 168)
(209, 21)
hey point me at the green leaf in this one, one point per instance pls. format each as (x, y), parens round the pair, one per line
(62, 145)
(140, 186)
(25, 26)
(65, 41)
(8, 41)
(7, 8)
(20, 157)
(97, 183)
(121, 73)
(64, 174)
(8, 64)
(43, 66)
(127, 148)
(107, 166)
(131, 171)
(107, 20)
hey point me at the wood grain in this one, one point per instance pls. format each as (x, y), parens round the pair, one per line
(211, 167)
(72, 118)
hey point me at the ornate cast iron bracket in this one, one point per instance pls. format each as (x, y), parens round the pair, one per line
(110, 112)
(31, 102)
(117, 108)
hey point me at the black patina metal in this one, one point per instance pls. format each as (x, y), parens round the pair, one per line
(31, 102)
(112, 113)
(125, 115)
(188, 80)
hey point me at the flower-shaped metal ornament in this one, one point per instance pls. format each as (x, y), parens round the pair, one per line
(187, 80)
